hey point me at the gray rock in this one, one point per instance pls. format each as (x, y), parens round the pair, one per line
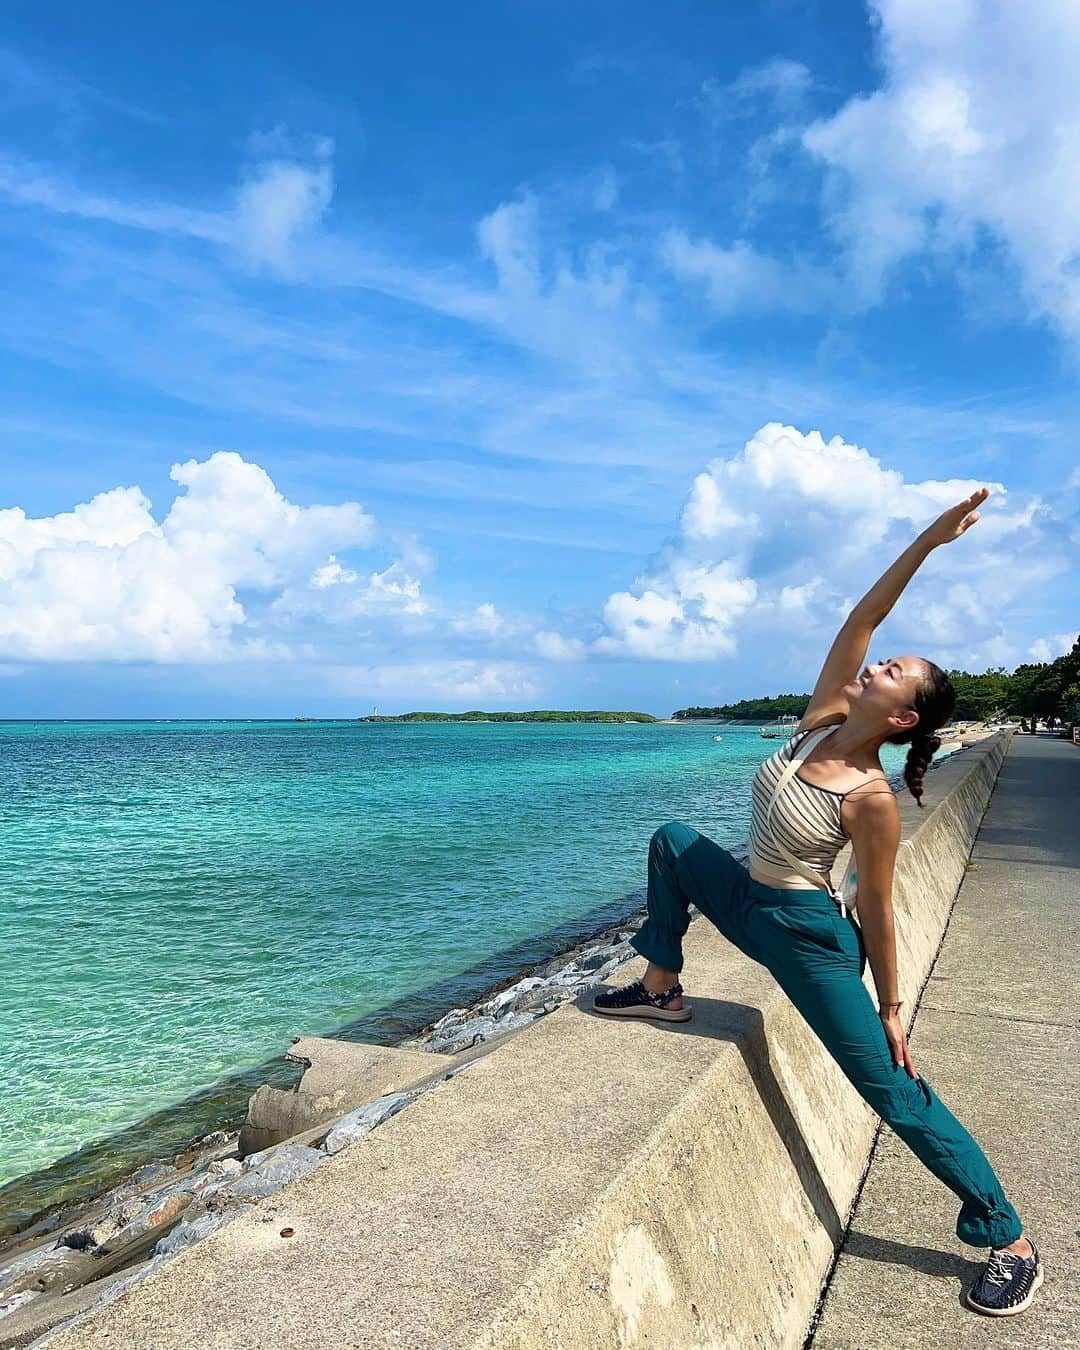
(453, 1018)
(276, 1168)
(149, 1173)
(51, 1270)
(472, 1032)
(17, 1301)
(362, 1121)
(189, 1232)
(510, 998)
(223, 1167)
(13, 1276)
(161, 1208)
(541, 1000)
(595, 959)
(516, 1020)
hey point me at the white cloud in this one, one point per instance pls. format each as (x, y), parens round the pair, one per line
(578, 306)
(555, 647)
(279, 202)
(31, 185)
(973, 137)
(483, 621)
(775, 540)
(779, 81)
(462, 682)
(688, 613)
(1050, 648)
(739, 278)
(107, 581)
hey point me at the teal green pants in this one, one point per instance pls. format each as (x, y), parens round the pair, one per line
(818, 958)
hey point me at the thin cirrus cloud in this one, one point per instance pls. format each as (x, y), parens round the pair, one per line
(277, 202)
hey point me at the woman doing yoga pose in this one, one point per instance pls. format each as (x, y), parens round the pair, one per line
(809, 941)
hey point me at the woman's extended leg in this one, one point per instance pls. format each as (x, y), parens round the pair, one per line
(825, 986)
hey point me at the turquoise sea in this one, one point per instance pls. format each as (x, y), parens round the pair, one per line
(179, 899)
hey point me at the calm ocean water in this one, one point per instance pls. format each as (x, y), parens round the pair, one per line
(179, 899)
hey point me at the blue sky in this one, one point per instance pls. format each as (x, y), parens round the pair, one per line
(527, 355)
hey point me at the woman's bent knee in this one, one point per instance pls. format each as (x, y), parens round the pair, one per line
(672, 838)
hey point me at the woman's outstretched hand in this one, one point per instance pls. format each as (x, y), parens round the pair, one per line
(952, 523)
(895, 1035)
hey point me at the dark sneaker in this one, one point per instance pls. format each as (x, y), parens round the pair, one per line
(634, 1000)
(1008, 1283)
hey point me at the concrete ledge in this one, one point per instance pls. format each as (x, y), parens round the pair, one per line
(591, 1184)
(339, 1076)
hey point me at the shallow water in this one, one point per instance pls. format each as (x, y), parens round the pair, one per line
(179, 899)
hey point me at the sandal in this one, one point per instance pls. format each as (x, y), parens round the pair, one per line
(634, 1000)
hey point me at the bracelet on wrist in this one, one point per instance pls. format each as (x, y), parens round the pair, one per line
(890, 1007)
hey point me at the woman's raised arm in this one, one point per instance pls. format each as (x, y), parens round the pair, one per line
(848, 651)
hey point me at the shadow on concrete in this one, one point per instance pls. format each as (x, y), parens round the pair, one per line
(743, 1027)
(926, 1260)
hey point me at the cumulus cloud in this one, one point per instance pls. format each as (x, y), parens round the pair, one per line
(973, 138)
(781, 538)
(338, 594)
(687, 613)
(108, 581)
(1050, 648)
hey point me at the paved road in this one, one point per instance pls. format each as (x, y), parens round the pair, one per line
(996, 1035)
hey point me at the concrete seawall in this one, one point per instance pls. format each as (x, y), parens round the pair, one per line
(591, 1183)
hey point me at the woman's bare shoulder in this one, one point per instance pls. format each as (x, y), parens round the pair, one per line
(814, 721)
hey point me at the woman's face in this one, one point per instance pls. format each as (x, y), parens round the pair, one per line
(887, 688)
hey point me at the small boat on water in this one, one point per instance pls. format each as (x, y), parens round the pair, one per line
(784, 726)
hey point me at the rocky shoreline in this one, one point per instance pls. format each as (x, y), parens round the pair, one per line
(75, 1256)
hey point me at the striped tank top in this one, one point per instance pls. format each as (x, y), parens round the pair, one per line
(806, 818)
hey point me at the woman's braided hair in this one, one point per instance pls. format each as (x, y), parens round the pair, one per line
(934, 701)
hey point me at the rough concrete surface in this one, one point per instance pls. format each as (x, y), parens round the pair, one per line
(592, 1183)
(996, 1035)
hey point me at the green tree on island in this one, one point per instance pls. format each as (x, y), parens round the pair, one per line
(1043, 689)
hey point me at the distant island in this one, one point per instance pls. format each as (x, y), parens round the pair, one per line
(749, 709)
(537, 715)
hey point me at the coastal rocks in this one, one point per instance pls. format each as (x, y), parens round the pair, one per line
(52, 1267)
(557, 982)
(276, 1168)
(358, 1123)
(193, 1230)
